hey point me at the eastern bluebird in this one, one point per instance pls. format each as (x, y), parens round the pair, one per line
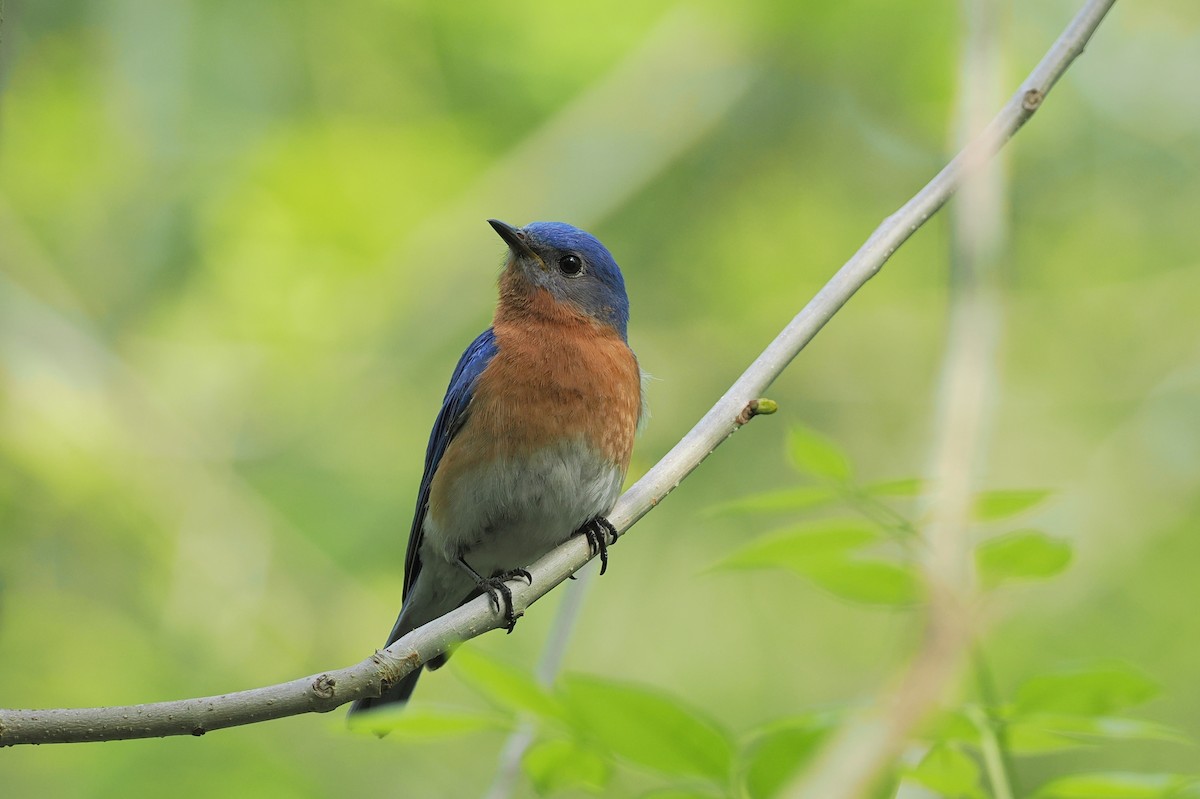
(534, 436)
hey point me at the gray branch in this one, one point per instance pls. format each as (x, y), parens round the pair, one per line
(324, 692)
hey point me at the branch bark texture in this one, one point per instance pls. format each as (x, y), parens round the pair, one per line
(326, 691)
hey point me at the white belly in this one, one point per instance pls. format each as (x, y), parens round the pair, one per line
(508, 514)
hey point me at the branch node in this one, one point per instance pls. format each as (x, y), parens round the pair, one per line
(756, 407)
(323, 686)
(1032, 99)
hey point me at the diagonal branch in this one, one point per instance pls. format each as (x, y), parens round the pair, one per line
(326, 691)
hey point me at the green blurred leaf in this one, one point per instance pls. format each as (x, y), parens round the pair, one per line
(799, 547)
(885, 787)
(506, 685)
(993, 505)
(905, 487)
(1099, 727)
(1097, 690)
(650, 728)
(779, 751)
(949, 771)
(425, 722)
(554, 766)
(1024, 554)
(823, 551)
(876, 582)
(951, 725)
(1114, 785)
(789, 499)
(1028, 741)
(679, 793)
(815, 454)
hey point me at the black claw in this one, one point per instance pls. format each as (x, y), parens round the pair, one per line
(498, 591)
(497, 587)
(501, 596)
(597, 532)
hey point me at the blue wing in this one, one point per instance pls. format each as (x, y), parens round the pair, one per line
(449, 421)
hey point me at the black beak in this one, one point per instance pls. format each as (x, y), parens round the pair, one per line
(513, 237)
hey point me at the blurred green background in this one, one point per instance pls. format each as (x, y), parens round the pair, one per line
(242, 245)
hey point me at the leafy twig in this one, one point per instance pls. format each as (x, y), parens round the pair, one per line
(869, 743)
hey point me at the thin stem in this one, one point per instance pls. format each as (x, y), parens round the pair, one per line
(993, 754)
(880, 512)
(1001, 770)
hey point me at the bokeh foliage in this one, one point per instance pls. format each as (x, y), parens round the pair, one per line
(242, 244)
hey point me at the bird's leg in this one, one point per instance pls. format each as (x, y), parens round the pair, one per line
(597, 532)
(496, 588)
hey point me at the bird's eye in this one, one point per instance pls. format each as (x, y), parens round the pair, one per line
(570, 265)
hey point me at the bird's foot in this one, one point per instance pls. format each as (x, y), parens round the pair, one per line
(599, 533)
(496, 587)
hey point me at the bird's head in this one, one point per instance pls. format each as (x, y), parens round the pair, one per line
(570, 264)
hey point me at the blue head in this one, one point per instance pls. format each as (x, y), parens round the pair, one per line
(570, 264)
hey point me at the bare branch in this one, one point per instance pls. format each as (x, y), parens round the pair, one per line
(326, 691)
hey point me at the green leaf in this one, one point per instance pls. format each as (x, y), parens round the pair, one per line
(554, 766)
(788, 499)
(951, 726)
(949, 771)
(1114, 785)
(650, 728)
(800, 547)
(506, 685)
(885, 787)
(817, 455)
(905, 487)
(1024, 554)
(1097, 690)
(993, 505)
(875, 582)
(425, 722)
(679, 793)
(1110, 728)
(1024, 739)
(776, 753)
(823, 552)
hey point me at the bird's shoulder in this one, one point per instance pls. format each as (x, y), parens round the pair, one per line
(460, 392)
(450, 420)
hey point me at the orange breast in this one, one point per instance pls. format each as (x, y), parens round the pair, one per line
(556, 374)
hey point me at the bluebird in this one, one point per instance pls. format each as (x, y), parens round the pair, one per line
(533, 440)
